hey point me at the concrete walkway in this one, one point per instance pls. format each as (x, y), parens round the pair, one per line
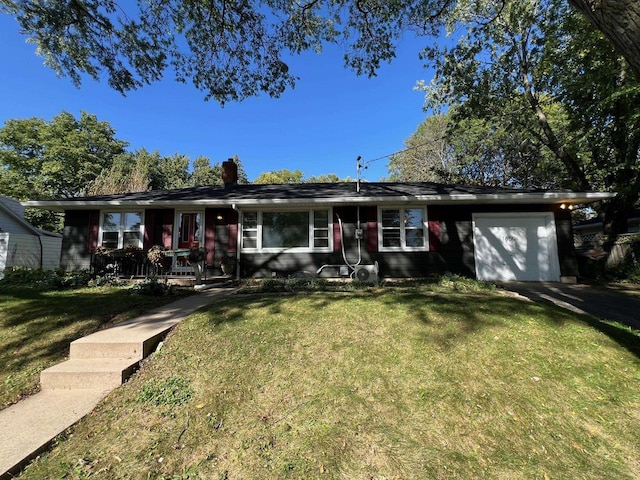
(619, 303)
(97, 364)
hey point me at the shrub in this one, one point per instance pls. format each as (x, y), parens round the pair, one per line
(45, 279)
(151, 286)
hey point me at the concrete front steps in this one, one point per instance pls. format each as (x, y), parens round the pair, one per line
(105, 359)
(97, 364)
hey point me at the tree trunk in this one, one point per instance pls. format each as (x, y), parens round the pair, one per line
(616, 213)
(550, 139)
(619, 21)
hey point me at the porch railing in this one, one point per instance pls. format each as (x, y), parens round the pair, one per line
(134, 262)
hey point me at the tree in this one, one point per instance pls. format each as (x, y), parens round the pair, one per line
(428, 156)
(619, 21)
(329, 178)
(296, 176)
(42, 159)
(516, 68)
(232, 50)
(205, 174)
(142, 171)
(476, 151)
(280, 177)
(130, 172)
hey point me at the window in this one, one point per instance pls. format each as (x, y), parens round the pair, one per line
(275, 231)
(403, 229)
(250, 230)
(121, 229)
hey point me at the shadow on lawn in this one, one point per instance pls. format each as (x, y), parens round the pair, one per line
(30, 318)
(464, 314)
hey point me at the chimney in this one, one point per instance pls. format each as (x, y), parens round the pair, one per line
(229, 174)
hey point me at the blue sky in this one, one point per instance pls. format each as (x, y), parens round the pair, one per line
(320, 127)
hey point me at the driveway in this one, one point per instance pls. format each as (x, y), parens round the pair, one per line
(620, 303)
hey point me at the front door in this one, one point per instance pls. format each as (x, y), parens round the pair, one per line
(189, 231)
(189, 236)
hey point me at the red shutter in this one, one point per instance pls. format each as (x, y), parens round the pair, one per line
(167, 228)
(337, 238)
(370, 216)
(433, 215)
(93, 231)
(210, 236)
(232, 247)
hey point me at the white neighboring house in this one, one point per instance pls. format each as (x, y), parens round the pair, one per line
(23, 245)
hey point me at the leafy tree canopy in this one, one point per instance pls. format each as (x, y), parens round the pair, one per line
(141, 171)
(295, 176)
(67, 157)
(540, 99)
(51, 159)
(233, 50)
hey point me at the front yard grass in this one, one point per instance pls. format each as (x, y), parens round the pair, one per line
(384, 384)
(37, 326)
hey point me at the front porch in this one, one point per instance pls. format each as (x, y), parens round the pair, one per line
(180, 266)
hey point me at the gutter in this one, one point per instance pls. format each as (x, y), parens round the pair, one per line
(463, 198)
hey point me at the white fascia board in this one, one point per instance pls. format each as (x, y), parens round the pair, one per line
(463, 198)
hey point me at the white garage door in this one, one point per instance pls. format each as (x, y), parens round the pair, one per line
(515, 246)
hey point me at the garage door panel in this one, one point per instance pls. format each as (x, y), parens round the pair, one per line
(513, 248)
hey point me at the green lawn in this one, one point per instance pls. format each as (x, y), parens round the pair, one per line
(384, 384)
(37, 326)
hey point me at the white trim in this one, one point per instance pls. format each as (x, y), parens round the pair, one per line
(403, 247)
(176, 226)
(122, 212)
(462, 198)
(310, 249)
(552, 239)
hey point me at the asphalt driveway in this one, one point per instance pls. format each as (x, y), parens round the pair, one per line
(619, 303)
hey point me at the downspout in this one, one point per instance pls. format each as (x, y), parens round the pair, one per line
(238, 240)
(41, 252)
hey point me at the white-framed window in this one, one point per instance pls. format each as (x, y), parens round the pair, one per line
(402, 229)
(121, 229)
(298, 230)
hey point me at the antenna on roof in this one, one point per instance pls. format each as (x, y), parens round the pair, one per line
(359, 166)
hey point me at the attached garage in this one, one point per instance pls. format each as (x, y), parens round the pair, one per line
(516, 246)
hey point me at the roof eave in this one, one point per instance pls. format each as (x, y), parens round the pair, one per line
(463, 198)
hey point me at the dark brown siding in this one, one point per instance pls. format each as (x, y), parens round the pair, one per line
(450, 245)
(566, 248)
(94, 231)
(79, 238)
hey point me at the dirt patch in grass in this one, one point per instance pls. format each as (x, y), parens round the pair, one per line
(372, 385)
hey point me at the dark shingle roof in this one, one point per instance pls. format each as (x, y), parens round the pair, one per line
(306, 191)
(344, 192)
